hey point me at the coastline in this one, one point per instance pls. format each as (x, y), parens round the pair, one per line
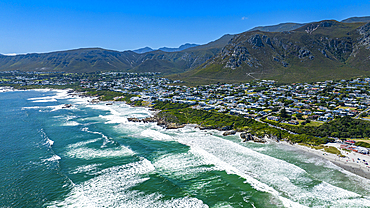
(350, 163)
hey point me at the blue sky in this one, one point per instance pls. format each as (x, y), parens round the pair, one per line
(46, 25)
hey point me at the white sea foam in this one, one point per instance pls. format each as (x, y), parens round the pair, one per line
(100, 107)
(33, 107)
(82, 143)
(71, 123)
(106, 139)
(85, 169)
(78, 150)
(44, 100)
(119, 113)
(65, 117)
(112, 189)
(113, 117)
(41, 90)
(184, 165)
(52, 159)
(156, 135)
(60, 94)
(90, 153)
(43, 108)
(49, 142)
(261, 171)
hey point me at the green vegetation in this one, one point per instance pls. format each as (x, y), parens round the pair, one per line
(104, 95)
(328, 149)
(344, 127)
(332, 150)
(183, 114)
(363, 144)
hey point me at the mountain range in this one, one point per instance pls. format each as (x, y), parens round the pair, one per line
(287, 52)
(165, 49)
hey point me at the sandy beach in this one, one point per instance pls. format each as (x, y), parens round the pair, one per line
(352, 162)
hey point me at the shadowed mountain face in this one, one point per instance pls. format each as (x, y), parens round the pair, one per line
(315, 51)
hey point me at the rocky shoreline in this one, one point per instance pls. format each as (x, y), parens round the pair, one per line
(245, 136)
(159, 121)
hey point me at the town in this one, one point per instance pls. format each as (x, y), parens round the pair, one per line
(280, 105)
(318, 102)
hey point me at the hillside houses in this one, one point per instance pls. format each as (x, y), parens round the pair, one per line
(321, 101)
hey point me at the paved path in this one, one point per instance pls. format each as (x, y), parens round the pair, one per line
(366, 110)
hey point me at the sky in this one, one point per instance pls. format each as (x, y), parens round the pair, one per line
(35, 26)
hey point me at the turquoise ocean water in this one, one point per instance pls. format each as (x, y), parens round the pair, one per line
(90, 156)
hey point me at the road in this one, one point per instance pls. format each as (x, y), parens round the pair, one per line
(366, 110)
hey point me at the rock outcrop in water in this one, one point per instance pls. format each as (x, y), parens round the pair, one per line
(249, 137)
(159, 121)
(227, 133)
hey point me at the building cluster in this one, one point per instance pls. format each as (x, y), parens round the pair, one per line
(290, 103)
(321, 101)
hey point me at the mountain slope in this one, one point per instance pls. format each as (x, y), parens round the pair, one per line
(316, 51)
(182, 47)
(97, 59)
(143, 50)
(79, 60)
(182, 61)
(278, 28)
(165, 49)
(356, 19)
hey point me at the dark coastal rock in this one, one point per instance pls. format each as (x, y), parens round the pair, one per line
(159, 121)
(67, 106)
(174, 126)
(133, 119)
(249, 137)
(225, 128)
(227, 133)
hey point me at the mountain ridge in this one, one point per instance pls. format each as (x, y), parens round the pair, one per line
(165, 49)
(99, 59)
(316, 51)
(327, 49)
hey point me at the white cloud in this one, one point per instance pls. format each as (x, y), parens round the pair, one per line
(244, 18)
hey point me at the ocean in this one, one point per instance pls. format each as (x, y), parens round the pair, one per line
(89, 155)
